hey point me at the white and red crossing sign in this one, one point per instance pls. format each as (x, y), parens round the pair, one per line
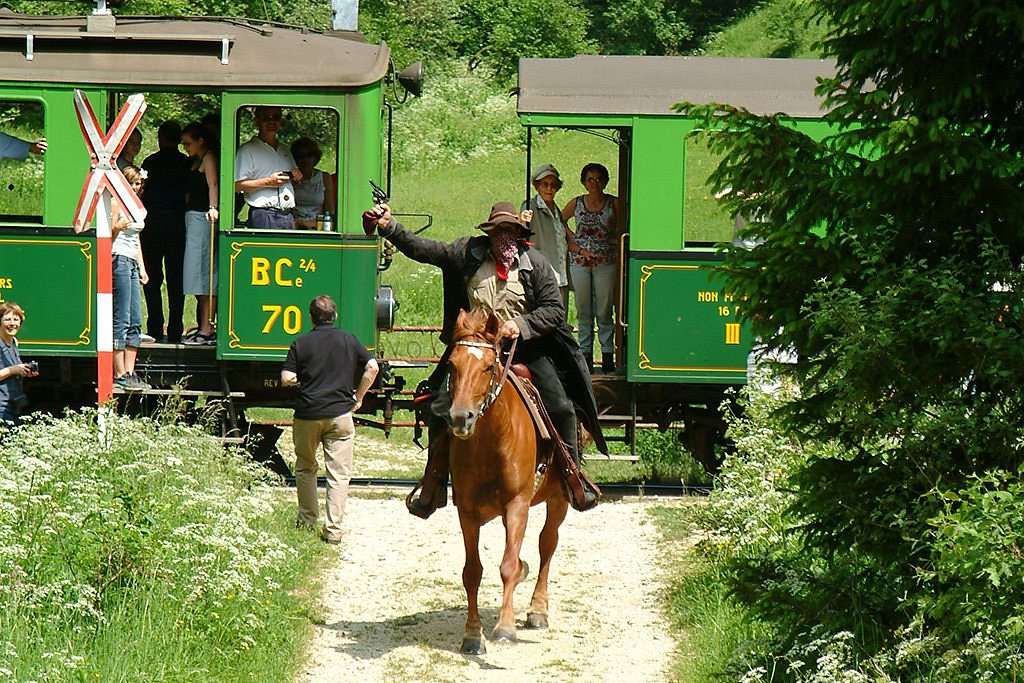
(104, 185)
(103, 149)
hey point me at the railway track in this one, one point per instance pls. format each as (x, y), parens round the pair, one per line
(614, 490)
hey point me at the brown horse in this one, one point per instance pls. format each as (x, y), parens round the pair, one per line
(494, 458)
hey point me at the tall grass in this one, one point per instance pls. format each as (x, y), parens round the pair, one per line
(709, 623)
(161, 558)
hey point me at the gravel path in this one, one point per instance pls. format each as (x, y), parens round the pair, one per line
(394, 606)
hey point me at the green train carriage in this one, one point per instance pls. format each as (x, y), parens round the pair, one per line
(266, 278)
(679, 341)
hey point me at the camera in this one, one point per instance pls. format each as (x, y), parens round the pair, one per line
(289, 174)
(33, 366)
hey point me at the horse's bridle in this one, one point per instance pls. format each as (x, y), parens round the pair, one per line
(495, 385)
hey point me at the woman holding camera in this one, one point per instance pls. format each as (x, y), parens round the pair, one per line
(199, 272)
(12, 397)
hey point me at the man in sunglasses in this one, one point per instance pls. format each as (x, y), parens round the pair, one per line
(264, 170)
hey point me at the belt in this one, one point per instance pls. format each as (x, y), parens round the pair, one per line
(271, 209)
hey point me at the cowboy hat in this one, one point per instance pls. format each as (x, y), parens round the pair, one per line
(504, 213)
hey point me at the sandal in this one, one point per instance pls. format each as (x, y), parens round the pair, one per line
(199, 339)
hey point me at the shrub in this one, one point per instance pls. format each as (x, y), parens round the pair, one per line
(158, 558)
(952, 616)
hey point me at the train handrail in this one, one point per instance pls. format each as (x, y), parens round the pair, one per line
(622, 276)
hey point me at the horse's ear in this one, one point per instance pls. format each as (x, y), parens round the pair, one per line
(492, 326)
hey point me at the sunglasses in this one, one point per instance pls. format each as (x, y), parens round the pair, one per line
(270, 117)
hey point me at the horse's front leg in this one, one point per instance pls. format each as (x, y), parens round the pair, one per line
(473, 640)
(537, 616)
(513, 569)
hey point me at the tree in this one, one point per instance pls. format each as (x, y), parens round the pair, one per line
(892, 266)
(660, 27)
(499, 33)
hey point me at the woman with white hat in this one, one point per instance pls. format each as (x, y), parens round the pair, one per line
(550, 233)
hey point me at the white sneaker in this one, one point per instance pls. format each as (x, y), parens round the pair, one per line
(146, 339)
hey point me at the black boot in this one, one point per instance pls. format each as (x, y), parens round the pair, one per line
(586, 496)
(433, 487)
(589, 495)
(608, 363)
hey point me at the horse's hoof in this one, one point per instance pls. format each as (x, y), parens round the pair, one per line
(535, 620)
(473, 646)
(524, 571)
(504, 635)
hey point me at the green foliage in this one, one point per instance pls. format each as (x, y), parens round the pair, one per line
(661, 27)
(664, 459)
(309, 13)
(780, 28)
(422, 30)
(712, 624)
(488, 32)
(842, 617)
(161, 558)
(499, 33)
(978, 575)
(892, 268)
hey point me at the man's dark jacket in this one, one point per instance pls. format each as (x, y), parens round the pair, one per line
(543, 323)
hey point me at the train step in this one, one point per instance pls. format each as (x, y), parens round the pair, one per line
(181, 392)
(230, 440)
(620, 457)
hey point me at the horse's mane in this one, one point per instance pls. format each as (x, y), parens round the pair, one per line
(473, 325)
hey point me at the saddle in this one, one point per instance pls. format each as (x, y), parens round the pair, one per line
(574, 480)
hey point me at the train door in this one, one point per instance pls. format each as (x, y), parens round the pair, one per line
(571, 150)
(268, 276)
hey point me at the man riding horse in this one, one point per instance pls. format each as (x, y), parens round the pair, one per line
(501, 272)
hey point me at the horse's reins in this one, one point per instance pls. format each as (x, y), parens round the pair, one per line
(493, 389)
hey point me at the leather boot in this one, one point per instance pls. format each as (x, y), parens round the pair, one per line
(433, 487)
(569, 431)
(589, 494)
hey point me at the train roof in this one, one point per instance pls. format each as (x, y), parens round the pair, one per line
(630, 85)
(194, 53)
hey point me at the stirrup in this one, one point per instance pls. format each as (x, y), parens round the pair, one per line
(582, 493)
(415, 505)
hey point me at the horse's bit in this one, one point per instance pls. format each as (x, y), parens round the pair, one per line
(493, 387)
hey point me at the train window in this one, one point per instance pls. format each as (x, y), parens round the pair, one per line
(310, 135)
(21, 163)
(706, 220)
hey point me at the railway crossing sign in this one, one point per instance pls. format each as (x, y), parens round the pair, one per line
(104, 174)
(104, 184)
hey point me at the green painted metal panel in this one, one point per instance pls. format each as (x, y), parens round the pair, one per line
(58, 299)
(656, 186)
(683, 324)
(66, 162)
(577, 120)
(363, 134)
(268, 280)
